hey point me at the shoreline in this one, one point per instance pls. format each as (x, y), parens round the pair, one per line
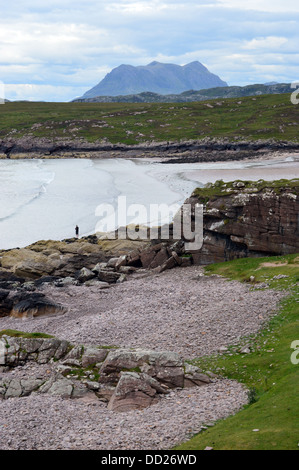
(190, 151)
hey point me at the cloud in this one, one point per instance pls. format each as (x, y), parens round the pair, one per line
(270, 6)
(270, 42)
(70, 43)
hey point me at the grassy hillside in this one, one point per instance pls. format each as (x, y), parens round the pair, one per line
(261, 117)
(271, 420)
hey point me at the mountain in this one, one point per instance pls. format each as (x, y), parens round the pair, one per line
(157, 78)
(191, 95)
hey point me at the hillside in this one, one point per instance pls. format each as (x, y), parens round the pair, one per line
(192, 95)
(93, 126)
(155, 77)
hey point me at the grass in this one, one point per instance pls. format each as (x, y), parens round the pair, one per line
(261, 117)
(212, 191)
(271, 378)
(22, 334)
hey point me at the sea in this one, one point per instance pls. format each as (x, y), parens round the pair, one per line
(43, 199)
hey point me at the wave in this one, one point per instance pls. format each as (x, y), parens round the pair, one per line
(25, 202)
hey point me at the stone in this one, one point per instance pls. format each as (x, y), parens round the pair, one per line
(84, 275)
(97, 283)
(112, 262)
(93, 355)
(134, 392)
(121, 262)
(194, 377)
(6, 303)
(122, 278)
(166, 367)
(67, 281)
(34, 305)
(58, 386)
(108, 276)
(168, 264)
(248, 219)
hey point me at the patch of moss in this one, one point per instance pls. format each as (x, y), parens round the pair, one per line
(23, 334)
(212, 191)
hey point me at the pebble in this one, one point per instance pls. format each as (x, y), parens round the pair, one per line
(138, 313)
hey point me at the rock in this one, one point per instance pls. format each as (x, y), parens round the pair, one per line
(6, 303)
(58, 386)
(126, 379)
(108, 276)
(127, 269)
(67, 281)
(84, 275)
(19, 350)
(248, 219)
(194, 377)
(34, 305)
(52, 258)
(112, 262)
(223, 349)
(93, 355)
(121, 262)
(166, 367)
(169, 264)
(97, 283)
(15, 388)
(122, 278)
(134, 392)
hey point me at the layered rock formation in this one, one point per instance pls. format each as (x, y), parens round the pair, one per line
(246, 219)
(125, 379)
(240, 219)
(203, 150)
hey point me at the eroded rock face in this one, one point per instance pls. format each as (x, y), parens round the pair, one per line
(27, 305)
(53, 258)
(125, 379)
(247, 219)
(134, 392)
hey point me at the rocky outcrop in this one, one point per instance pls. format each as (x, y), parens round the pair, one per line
(126, 379)
(240, 219)
(248, 219)
(203, 150)
(22, 304)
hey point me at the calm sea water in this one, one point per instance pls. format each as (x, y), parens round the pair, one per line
(45, 199)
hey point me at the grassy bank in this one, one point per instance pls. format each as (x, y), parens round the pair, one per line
(271, 419)
(260, 117)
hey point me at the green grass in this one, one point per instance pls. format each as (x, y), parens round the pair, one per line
(271, 378)
(212, 191)
(22, 334)
(261, 117)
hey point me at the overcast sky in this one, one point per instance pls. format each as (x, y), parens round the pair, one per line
(56, 50)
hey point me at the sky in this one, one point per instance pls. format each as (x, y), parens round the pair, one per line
(58, 49)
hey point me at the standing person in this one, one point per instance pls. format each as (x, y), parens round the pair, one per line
(77, 231)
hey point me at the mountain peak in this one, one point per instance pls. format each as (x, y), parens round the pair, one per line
(155, 77)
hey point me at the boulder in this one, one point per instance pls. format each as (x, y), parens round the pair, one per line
(134, 392)
(166, 367)
(248, 219)
(110, 277)
(84, 275)
(34, 305)
(18, 350)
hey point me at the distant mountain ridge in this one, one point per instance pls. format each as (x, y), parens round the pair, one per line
(155, 77)
(191, 95)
